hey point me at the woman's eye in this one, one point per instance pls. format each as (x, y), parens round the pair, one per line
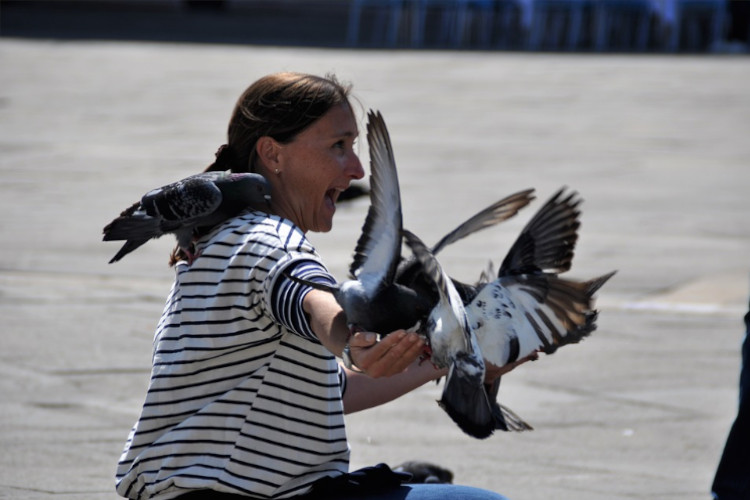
(345, 144)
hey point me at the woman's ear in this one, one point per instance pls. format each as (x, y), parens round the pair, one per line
(268, 151)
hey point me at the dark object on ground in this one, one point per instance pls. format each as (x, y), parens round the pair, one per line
(425, 472)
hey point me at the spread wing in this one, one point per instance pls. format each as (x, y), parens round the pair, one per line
(378, 249)
(494, 214)
(547, 242)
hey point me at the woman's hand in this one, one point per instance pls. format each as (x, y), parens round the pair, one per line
(493, 372)
(387, 357)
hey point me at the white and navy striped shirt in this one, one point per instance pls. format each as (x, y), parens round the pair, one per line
(243, 398)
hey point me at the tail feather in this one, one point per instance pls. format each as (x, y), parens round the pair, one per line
(128, 247)
(137, 229)
(505, 418)
(593, 285)
(133, 227)
(465, 401)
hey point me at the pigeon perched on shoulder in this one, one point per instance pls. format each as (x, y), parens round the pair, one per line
(200, 201)
(376, 299)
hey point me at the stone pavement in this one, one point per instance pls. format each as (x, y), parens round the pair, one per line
(656, 145)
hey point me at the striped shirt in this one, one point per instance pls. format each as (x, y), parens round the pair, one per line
(243, 398)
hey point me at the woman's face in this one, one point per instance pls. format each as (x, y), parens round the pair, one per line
(315, 168)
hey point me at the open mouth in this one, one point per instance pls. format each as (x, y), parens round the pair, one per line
(332, 195)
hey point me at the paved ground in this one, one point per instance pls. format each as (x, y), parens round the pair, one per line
(656, 145)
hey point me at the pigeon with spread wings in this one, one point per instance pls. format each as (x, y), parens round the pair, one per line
(528, 308)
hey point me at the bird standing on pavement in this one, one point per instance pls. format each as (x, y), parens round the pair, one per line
(200, 201)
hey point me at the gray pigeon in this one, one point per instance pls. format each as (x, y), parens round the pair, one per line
(425, 472)
(375, 299)
(198, 202)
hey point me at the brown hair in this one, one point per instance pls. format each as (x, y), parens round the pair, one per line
(280, 105)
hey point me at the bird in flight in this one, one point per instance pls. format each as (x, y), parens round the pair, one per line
(526, 309)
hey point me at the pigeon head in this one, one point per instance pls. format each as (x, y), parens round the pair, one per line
(253, 189)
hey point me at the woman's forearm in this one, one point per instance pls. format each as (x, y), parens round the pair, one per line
(391, 363)
(364, 392)
(327, 320)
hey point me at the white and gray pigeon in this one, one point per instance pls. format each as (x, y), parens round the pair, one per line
(198, 202)
(374, 298)
(453, 345)
(526, 309)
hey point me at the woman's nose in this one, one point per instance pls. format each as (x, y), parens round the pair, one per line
(355, 168)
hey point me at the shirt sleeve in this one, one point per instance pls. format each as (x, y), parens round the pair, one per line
(342, 379)
(287, 295)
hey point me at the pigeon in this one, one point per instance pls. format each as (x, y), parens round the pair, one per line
(375, 299)
(425, 472)
(198, 202)
(453, 345)
(528, 308)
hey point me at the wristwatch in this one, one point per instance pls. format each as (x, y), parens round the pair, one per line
(346, 356)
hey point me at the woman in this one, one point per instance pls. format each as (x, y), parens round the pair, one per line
(246, 397)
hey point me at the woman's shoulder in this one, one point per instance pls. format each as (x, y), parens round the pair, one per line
(258, 228)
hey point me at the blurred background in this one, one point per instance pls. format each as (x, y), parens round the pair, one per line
(696, 26)
(643, 106)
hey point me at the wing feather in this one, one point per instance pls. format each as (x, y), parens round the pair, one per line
(547, 242)
(494, 214)
(185, 200)
(378, 249)
(515, 316)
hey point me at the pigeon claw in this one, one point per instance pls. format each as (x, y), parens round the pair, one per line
(191, 256)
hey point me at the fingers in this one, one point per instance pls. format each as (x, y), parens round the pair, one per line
(389, 356)
(363, 339)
